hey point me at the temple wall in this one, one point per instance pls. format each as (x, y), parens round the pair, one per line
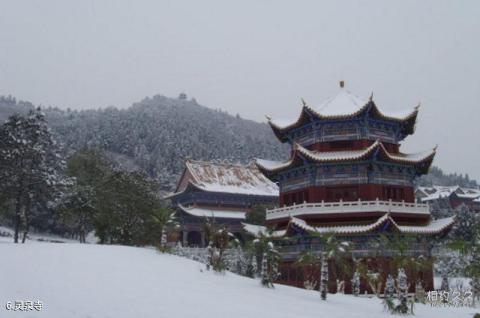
(294, 275)
(348, 192)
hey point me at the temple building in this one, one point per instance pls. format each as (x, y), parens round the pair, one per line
(444, 197)
(223, 193)
(347, 176)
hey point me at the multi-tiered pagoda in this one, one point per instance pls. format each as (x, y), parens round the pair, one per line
(347, 176)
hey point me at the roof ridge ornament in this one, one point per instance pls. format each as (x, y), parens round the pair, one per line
(304, 104)
(268, 117)
(418, 106)
(371, 97)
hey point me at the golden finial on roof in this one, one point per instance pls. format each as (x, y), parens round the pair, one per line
(342, 84)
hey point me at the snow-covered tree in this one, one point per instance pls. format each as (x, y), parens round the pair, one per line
(445, 285)
(402, 285)
(356, 283)
(466, 222)
(270, 260)
(265, 278)
(374, 281)
(324, 276)
(419, 292)
(32, 167)
(254, 266)
(389, 287)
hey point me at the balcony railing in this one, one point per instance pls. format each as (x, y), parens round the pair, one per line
(347, 207)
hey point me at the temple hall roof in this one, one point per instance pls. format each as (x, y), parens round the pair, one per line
(204, 212)
(225, 178)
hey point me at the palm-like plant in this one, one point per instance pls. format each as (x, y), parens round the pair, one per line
(332, 249)
(308, 261)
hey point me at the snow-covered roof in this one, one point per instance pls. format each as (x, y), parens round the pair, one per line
(260, 230)
(352, 155)
(434, 227)
(213, 213)
(344, 105)
(348, 229)
(439, 192)
(228, 177)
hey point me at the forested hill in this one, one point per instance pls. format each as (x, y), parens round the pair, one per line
(158, 133)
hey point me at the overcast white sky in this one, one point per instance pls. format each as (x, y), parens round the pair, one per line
(255, 58)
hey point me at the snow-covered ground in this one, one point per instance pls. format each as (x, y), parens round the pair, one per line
(6, 235)
(97, 281)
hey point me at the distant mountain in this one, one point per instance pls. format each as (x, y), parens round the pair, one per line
(437, 177)
(157, 134)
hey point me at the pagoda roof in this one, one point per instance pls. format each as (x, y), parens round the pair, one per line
(377, 148)
(204, 212)
(344, 105)
(225, 177)
(432, 228)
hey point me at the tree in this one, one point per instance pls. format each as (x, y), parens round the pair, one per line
(90, 171)
(389, 287)
(402, 285)
(308, 261)
(356, 283)
(324, 276)
(332, 248)
(32, 165)
(465, 225)
(129, 211)
(470, 252)
(270, 260)
(256, 215)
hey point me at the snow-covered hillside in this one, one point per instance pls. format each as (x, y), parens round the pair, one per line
(96, 281)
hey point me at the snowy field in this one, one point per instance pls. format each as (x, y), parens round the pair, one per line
(96, 281)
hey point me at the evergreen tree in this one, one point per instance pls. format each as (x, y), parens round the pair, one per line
(256, 215)
(465, 225)
(31, 174)
(129, 211)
